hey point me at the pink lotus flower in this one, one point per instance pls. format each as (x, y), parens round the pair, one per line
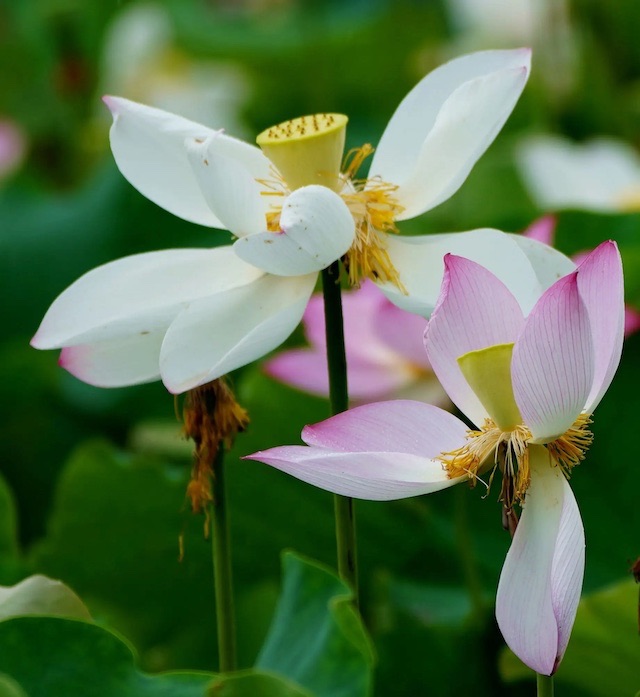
(530, 384)
(544, 230)
(385, 353)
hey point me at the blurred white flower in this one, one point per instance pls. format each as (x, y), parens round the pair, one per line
(600, 175)
(141, 60)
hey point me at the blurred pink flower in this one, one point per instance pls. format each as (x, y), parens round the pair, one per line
(13, 147)
(544, 230)
(385, 354)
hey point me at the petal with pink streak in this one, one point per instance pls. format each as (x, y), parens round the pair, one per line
(396, 426)
(541, 579)
(377, 476)
(475, 310)
(131, 360)
(601, 288)
(553, 363)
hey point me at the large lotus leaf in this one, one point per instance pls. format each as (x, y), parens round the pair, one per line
(252, 683)
(317, 637)
(39, 595)
(53, 657)
(603, 657)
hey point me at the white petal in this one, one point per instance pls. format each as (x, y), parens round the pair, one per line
(592, 176)
(227, 186)
(548, 263)
(376, 476)
(419, 260)
(479, 89)
(116, 363)
(149, 148)
(139, 294)
(220, 333)
(316, 228)
(540, 583)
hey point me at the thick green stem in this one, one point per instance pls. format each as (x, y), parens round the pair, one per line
(225, 614)
(545, 685)
(339, 399)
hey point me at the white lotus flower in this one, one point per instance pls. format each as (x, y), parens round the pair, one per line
(600, 175)
(191, 315)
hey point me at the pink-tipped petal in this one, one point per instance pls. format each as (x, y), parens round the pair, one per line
(377, 476)
(541, 579)
(316, 228)
(601, 288)
(215, 335)
(117, 363)
(149, 148)
(553, 363)
(396, 426)
(542, 230)
(475, 311)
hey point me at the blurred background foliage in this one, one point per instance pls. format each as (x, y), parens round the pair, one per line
(92, 488)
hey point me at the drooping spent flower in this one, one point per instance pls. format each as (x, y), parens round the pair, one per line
(530, 385)
(384, 349)
(189, 316)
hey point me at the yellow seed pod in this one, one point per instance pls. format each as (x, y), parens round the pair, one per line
(307, 150)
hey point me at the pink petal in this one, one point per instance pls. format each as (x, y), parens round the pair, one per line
(403, 332)
(542, 230)
(541, 579)
(601, 288)
(475, 310)
(553, 365)
(306, 369)
(396, 426)
(377, 476)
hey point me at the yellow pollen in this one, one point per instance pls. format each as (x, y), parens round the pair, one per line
(375, 209)
(491, 448)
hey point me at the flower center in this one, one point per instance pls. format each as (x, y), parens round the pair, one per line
(308, 150)
(503, 442)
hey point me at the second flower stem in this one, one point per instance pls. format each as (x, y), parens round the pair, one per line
(339, 399)
(225, 613)
(545, 685)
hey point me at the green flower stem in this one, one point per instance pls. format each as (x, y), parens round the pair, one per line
(545, 685)
(225, 613)
(339, 399)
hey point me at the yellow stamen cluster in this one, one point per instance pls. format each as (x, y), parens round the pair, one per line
(211, 417)
(375, 209)
(491, 448)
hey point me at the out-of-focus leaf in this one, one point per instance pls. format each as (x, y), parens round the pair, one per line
(8, 546)
(70, 658)
(254, 683)
(317, 637)
(10, 688)
(603, 657)
(39, 595)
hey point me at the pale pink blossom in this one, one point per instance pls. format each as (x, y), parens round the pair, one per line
(530, 384)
